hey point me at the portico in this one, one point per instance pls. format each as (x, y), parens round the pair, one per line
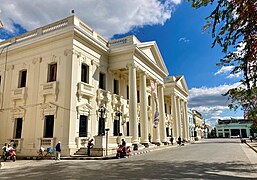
(176, 90)
(144, 65)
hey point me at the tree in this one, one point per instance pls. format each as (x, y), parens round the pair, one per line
(233, 25)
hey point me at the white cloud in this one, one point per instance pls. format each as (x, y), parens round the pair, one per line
(183, 39)
(213, 120)
(209, 101)
(237, 75)
(224, 70)
(106, 17)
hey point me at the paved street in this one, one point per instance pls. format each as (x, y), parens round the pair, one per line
(207, 159)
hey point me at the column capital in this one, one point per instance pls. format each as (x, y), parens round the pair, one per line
(161, 85)
(132, 65)
(142, 73)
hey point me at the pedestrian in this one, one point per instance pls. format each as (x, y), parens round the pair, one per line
(179, 140)
(251, 138)
(171, 140)
(90, 146)
(149, 137)
(58, 151)
(5, 150)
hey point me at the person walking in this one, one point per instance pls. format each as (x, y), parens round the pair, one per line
(179, 140)
(90, 146)
(58, 151)
(149, 137)
(171, 140)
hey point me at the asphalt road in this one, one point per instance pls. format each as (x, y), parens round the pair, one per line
(208, 159)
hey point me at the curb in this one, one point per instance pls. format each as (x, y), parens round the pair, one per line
(144, 151)
(253, 148)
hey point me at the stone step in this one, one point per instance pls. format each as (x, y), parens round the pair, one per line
(81, 151)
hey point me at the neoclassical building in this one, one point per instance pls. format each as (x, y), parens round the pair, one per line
(65, 82)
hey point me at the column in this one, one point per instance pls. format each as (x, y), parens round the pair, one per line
(178, 115)
(175, 119)
(162, 114)
(156, 131)
(184, 120)
(187, 123)
(143, 110)
(133, 127)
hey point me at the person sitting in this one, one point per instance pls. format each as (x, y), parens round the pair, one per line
(123, 143)
(13, 144)
(5, 149)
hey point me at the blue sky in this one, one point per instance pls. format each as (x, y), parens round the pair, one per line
(173, 24)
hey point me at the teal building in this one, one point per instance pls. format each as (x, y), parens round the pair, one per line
(230, 128)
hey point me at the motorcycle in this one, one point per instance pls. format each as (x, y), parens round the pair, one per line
(121, 153)
(11, 155)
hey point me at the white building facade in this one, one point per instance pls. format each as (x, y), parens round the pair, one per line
(64, 82)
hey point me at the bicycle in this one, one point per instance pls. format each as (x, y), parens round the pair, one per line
(42, 155)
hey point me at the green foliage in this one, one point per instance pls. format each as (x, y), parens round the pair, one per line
(233, 26)
(254, 126)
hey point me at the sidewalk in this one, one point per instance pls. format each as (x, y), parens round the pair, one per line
(113, 156)
(252, 145)
(28, 160)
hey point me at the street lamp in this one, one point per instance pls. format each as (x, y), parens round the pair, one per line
(101, 121)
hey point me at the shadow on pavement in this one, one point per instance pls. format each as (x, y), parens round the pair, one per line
(134, 169)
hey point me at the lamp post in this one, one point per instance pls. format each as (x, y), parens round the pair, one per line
(107, 130)
(101, 121)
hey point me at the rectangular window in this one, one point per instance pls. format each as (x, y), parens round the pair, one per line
(116, 127)
(83, 126)
(0, 80)
(116, 86)
(165, 107)
(17, 128)
(22, 78)
(138, 97)
(149, 100)
(52, 71)
(127, 92)
(127, 128)
(49, 126)
(102, 81)
(85, 73)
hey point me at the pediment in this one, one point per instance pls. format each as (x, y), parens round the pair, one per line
(151, 50)
(84, 107)
(181, 82)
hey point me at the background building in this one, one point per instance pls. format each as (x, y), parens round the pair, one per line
(199, 125)
(191, 124)
(233, 128)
